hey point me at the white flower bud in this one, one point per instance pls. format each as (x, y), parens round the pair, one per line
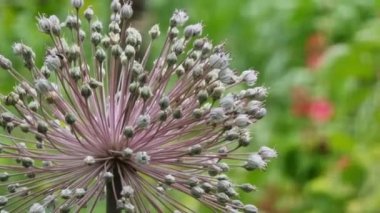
(197, 191)
(115, 6)
(143, 121)
(37, 208)
(219, 60)
(3, 201)
(77, 3)
(242, 121)
(44, 24)
(154, 32)
(80, 192)
(169, 179)
(133, 37)
(66, 193)
(126, 11)
(55, 24)
(227, 76)
(127, 191)
(250, 209)
(193, 30)
(52, 62)
(267, 153)
(217, 115)
(249, 76)
(89, 160)
(89, 13)
(129, 208)
(5, 63)
(178, 18)
(255, 162)
(142, 158)
(227, 102)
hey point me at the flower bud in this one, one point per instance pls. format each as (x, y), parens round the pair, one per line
(37, 208)
(79, 193)
(128, 132)
(4, 176)
(169, 179)
(180, 71)
(162, 115)
(145, 92)
(44, 24)
(108, 177)
(129, 208)
(89, 13)
(3, 201)
(207, 187)
(177, 113)
(42, 127)
(202, 96)
(197, 191)
(217, 115)
(171, 59)
(222, 198)
(5, 63)
(255, 162)
(77, 3)
(164, 102)
(193, 30)
(75, 73)
(89, 160)
(100, 55)
(247, 187)
(267, 153)
(173, 33)
(242, 121)
(55, 25)
(66, 193)
(127, 153)
(86, 91)
(195, 149)
(178, 18)
(227, 76)
(96, 38)
(143, 121)
(142, 158)
(154, 32)
(249, 76)
(115, 6)
(127, 191)
(250, 209)
(129, 51)
(126, 11)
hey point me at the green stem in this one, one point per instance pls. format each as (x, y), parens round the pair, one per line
(111, 200)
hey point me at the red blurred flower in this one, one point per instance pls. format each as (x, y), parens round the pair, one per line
(320, 110)
(304, 105)
(300, 102)
(315, 47)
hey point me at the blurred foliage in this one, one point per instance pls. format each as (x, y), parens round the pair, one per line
(320, 59)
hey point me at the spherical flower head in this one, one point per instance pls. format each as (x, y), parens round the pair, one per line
(112, 125)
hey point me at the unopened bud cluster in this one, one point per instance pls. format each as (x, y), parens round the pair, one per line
(118, 119)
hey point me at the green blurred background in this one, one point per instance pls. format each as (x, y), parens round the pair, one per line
(320, 59)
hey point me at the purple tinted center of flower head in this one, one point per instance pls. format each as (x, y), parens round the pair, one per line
(114, 124)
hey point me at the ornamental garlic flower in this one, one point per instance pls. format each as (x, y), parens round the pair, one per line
(111, 125)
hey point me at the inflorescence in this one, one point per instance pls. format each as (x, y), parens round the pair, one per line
(95, 119)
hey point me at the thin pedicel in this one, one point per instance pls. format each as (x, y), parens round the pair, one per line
(114, 125)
